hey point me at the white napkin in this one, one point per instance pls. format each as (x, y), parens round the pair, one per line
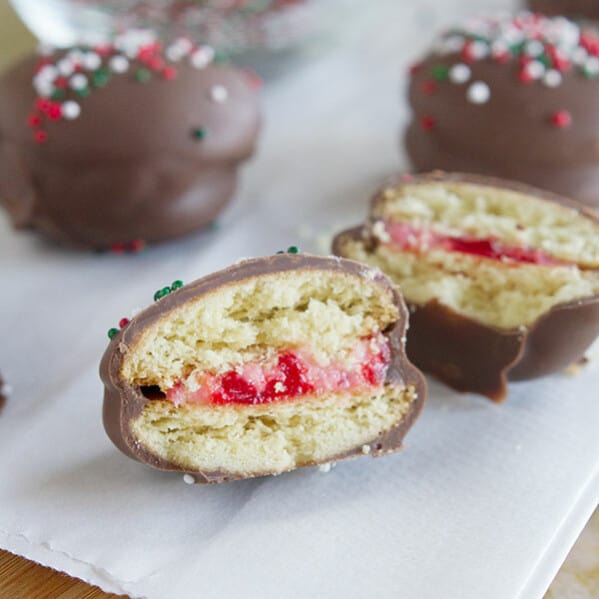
(485, 501)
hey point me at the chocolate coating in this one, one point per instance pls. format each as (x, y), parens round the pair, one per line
(128, 167)
(587, 9)
(512, 134)
(124, 402)
(470, 356)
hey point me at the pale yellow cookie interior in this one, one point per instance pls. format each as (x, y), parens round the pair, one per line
(496, 293)
(270, 438)
(324, 311)
(482, 211)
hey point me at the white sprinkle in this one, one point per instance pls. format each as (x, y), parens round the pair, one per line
(70, 110)
(48, 72)
(78, 81)
(459, 73)
(380, 232)
(65, 67)
(173, 53)
(188, 479)
(478, 93)
(118, 64)
(202, 57)
(535, 69)
(219, 94)
(324, 468)
(552, 78)
(522, 328)
(91, 61)
(365, 449)
(579, 55)
(43, 88)
(479, 49)
(591, 66)
(534, 48)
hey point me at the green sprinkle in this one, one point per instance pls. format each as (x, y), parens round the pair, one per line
(280, 252)
(161, 293)
(293, 249)
(176, 284)
(440, 72)
(589, 73)
(142, 75)
(198, 133)
(83, 92)
(112, 332)
(58, 94)
(100, 77)
(545, 60)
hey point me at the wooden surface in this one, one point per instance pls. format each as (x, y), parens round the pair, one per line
(22, 579)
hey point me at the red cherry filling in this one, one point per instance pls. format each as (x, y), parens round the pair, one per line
(418, 239)
(293, 373)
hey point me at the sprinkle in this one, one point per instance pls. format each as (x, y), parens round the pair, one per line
(429, 87)
(118, 64)
(91, 61)
(202, 57)
(365, 449)
(176, 284)
(161, 293)
(440, 72)
(427, 123)
(54, 112)
(552, 78)
(535, 69)
(112, 332)
(534, 48)
(137, 245)
(70, 110)
(188, 479)
(324, 468)
(142, 75)
(198, 133)
(478, 93)
(591, 67)
(561, 119)
(293, 249)
(40, 137)
(66, 67)
(123, 322)
(34, 120)
(169, 73)
(459, 73)
(219, 94)
(78, 81)
(101, 77)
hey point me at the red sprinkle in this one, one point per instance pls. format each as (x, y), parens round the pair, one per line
(524, 76)
(123, 322)
(40, 137)
(34, 120)
(561, 118)
(427, 123)
(61, 82)
(429, 87)
(117, 248)
(54, 112)
(169, 73)
(137, 245)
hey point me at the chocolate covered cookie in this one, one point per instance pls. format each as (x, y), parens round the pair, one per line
(120, 145)
(270, 365)
(574, 9)
(502, 279)
(512, 97)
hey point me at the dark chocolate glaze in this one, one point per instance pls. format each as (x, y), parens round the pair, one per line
(511, 135)
(3, 397)
(128, 168)
(471, 356)
(587, 9)
(124, 402)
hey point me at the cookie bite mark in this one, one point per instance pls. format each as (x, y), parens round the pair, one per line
(273, 364)
(501, 279)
